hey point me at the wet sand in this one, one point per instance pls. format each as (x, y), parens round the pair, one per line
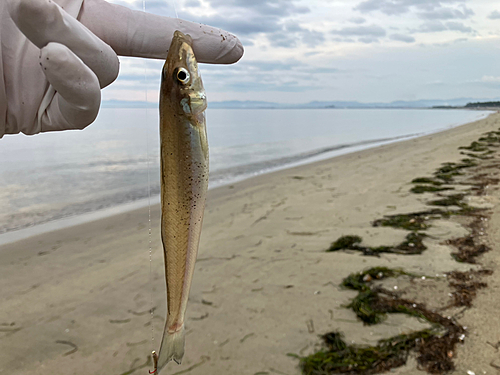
(76, 301)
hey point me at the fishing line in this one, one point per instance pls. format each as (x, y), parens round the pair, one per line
(175, 10)
(149, 200)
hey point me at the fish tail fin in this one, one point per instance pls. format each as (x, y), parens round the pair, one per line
(172, 347)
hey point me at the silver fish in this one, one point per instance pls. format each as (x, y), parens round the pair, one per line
(184, 183)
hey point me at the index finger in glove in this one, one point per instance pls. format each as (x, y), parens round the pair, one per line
(77, 96)
(43, 22)
(140, 34)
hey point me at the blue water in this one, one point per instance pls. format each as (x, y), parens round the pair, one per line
(55, 175)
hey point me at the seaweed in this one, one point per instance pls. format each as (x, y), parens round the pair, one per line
(412, 245)
(358, 281)
(450, 170)
(468, 247)
(446, 177)
(453, 200)
(368, 305)
(372, 307)
(468, 251)
(345, 242)
(361, 359)
(475, 146)
(434, 347)
(426, 180)
(466, 285)
(491, 137)
(484, 156)
(419, 189)
(413, 221)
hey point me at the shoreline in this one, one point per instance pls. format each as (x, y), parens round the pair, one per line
(85, 217)
(264, 286)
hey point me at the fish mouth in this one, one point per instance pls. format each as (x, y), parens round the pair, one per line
(181, 37)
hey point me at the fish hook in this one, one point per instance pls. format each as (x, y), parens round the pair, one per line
(155, 362)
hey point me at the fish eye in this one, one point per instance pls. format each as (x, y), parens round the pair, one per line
(182, 75)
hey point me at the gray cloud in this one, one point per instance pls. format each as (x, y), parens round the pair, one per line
(263, 7)
(246, 19)
(241, 25)
(264, 65)
(259, 67)
(438, 26)
(368, 39)
(357, 20)
(495, 15)
(272, 18)
(253, 76)
(402, 38)
(447, 14)
(364, 34)
(344, 40)
(395, 7)
(293, 26)
(373, 31)
(293, 33)
(431, 27)
(458, 26)
(290, 86)
(266, 75)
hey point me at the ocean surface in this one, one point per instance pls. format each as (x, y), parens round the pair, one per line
(115, 160)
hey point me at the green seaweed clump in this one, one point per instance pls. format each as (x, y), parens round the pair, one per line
(341, 358)
(489, 139)
(345, 242)
(372, 308)
(365, 306)
(451, 200)
(360, 280)
(475, 146)
(426, 180)
(368, 305)
(413, 222)
(483, 156)
(454, 200)
(412, 245)
(419, 189)
(450, 170)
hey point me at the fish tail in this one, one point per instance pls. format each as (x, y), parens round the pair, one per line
(172, 347)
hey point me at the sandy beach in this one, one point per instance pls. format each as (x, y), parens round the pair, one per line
(77, 300)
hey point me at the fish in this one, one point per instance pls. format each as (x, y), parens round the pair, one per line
(184, 183)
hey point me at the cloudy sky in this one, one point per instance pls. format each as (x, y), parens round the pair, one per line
(372, 50)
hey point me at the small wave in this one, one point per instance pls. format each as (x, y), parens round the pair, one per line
(226, 175)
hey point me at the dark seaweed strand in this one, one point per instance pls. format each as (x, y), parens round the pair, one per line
(412, 245)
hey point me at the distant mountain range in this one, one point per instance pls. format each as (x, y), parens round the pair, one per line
(250, 104)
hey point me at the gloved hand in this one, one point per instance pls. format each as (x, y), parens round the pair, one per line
(56, 55)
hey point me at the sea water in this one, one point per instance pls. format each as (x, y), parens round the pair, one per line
(57, 175)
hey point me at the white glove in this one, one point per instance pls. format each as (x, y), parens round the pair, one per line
(55, 58)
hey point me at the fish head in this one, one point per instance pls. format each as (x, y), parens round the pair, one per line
(181, 84)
